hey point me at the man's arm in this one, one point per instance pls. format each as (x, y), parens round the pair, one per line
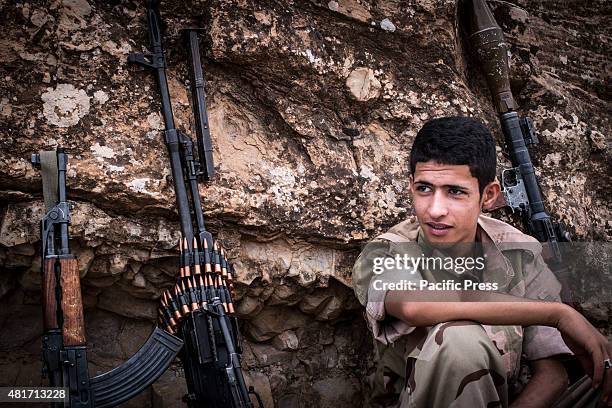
(548, 381)
(427, 308)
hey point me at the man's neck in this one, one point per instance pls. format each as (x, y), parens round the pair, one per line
(460, 249)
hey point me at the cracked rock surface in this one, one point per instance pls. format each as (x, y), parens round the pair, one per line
(313, 106)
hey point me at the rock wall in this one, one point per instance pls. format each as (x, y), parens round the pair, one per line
(313, 106)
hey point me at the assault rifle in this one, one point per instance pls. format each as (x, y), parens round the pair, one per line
(64, 347)
(520, 185)
(200, 307)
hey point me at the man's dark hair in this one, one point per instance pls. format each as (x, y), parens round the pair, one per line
(457, 140)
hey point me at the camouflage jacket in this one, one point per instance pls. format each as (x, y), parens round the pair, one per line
(513, 261)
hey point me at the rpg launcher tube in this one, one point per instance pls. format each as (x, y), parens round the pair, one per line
(491, 50)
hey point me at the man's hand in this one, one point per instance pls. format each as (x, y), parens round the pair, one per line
(590, 347)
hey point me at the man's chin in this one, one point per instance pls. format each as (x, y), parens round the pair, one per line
(446, 241)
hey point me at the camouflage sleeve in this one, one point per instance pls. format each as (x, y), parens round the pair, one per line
(540, 283)
(370, 282)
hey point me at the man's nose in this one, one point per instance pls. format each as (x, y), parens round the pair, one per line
(438, 206)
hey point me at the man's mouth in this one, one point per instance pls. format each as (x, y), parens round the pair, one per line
(437, 228)
(437, 225)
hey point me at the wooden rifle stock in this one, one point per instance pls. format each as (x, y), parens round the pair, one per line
(73, 325)
(49, 300)
(73, 328)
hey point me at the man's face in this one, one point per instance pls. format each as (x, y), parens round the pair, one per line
(446, 201)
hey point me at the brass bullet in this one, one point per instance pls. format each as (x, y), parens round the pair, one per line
(223, 264)
(207, 267)
(196, 257)
(194, 305)
(180, 293)
(187, 266)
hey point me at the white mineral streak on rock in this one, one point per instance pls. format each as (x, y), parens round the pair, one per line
(101, 97)
(363, 84)
(134, 230)
(552, 159)
(102, 152)
(65, 105)
(333, 5)
(387, 25)
(283, 181)
(139, 185)
(154, 120)
(310, 56)
(367, 172)
(115, 168)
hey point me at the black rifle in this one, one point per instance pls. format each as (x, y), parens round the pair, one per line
(64, 346)
(520, 185)
(200, 306)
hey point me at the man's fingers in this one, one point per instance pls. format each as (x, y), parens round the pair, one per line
(598, 368)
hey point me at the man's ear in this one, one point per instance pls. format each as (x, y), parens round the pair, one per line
(411, 184)
(492, 198)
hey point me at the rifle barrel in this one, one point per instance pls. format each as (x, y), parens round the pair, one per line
(198, 93)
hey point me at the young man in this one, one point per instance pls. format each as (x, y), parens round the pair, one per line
(447, 337)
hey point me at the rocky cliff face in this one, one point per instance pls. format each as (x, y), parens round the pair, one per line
(313, 106)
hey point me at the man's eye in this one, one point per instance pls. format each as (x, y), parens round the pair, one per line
(423, 189)
(455, 191)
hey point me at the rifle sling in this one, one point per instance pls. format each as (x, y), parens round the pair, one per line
(49, 173)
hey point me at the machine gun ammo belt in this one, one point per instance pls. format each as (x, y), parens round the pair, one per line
(199, 306)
